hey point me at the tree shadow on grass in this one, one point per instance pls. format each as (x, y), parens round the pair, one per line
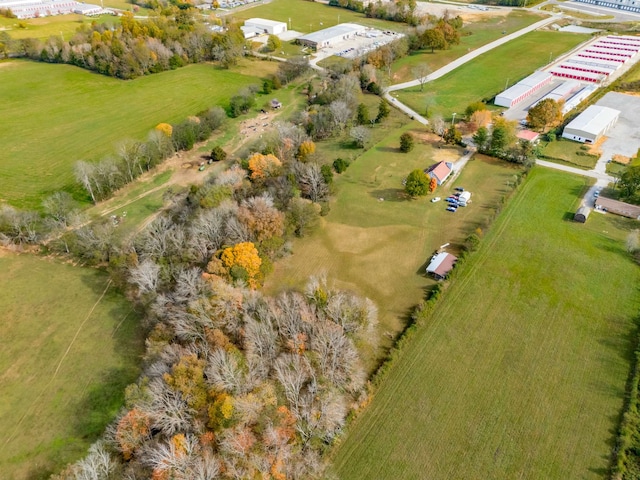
(390, 195)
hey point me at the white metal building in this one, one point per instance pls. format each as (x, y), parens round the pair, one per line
(523, 89)
(577, 98)
(332, 35)
(591, 124)
(262, 25)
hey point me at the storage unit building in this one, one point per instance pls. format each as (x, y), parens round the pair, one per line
(591, 124)
(524, 88)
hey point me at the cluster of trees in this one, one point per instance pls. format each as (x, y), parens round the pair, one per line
(333, 108)
(629, 181)
(168, 40)
(235, 384)
(500, 141)
(133, 158)
(438, 34)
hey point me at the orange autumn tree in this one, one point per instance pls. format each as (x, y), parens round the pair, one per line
(243, 262)
(132, 430)
(263, 166)
(433, 184)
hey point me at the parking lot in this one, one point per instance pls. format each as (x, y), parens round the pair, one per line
(359, 45)
(624, 137)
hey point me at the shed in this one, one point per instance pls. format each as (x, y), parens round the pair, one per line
(591, 124)
(262, 25)
(441, 264)
(582, 214)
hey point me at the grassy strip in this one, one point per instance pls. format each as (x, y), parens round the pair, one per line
(626, 462)
(487, 75)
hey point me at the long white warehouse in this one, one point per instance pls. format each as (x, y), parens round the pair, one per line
(523, 89)
(591, 124)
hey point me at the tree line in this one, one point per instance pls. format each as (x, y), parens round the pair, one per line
(169, 39)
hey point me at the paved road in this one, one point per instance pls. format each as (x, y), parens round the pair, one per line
(602, 179)
(477, 52)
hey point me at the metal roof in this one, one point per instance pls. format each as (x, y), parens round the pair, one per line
(332, 32)
(594, 119)
(441, 264)
(264, 21)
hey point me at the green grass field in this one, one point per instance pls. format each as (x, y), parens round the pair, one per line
(58, 114)
(378, 248)
(487, 75)
(520, 371)
(67, 352)
(569, 152)
(45, 27)
(308, 16)
(474, 35)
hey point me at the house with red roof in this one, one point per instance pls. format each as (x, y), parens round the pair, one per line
(528, 135)
(440, 171)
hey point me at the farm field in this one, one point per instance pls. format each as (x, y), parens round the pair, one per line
(490, 72)
(520, 371)
(69, 345)
(474, 35)
(92, 114)
(308, 16)
(375, 241)
(44, 27)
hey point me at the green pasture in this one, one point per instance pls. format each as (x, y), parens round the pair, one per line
(308, 16)
(474, 35)
(69, 346)
(569, 152)
(58, 114)
(45, 27)
(376, 241)
(520, 370)
(486, 76)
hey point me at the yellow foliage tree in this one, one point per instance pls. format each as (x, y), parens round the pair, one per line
(187, 377)
(480, 118)
(263, 166)
(165, 128)
(306, 149)
(244, 255)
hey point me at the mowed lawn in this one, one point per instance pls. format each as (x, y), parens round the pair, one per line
(58, 114)
(376, 242)
(68, 347)
(304, 16)
(520, 371)
(474, 35)
(487, 75)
